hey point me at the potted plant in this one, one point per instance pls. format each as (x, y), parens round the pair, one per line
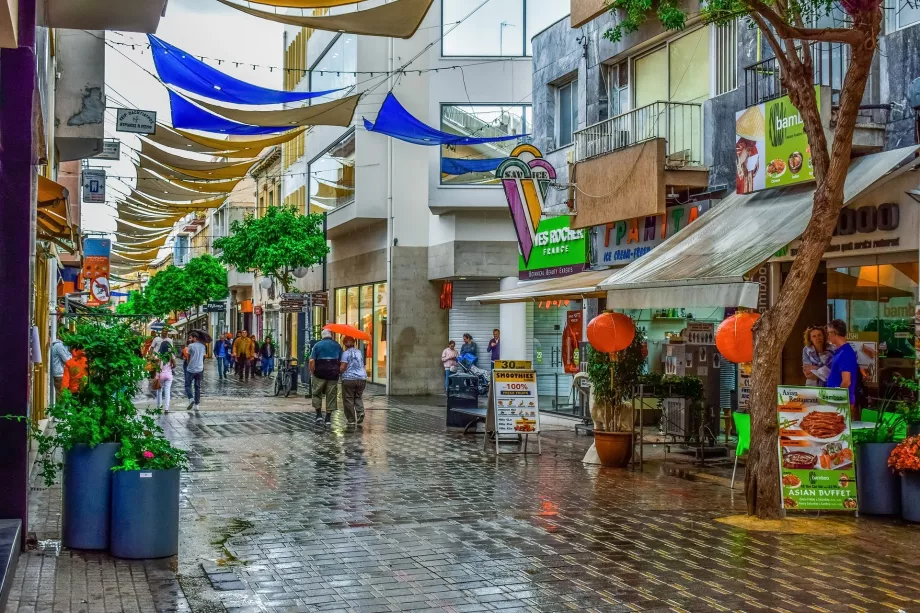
(145, 493)
(905, 459)
(879, 490)
(910, 406)
(89, 421)
(613, 378)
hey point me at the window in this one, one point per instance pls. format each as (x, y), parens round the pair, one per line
(335, 69)
(618, 76)
(566, 113)
(332, 176)
(672, 72)
(475, 164)
(181, 250)
(906, 13)
(499, 28)
(365, 307)
(725, 53)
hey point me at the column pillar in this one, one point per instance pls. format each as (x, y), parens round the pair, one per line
(513, 325)
(17, 207)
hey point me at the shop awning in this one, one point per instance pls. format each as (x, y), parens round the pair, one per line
(704, 263)
(573, 287)
(53, 216)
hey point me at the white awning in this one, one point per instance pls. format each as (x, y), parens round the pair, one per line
(573, 287)
(703, 264)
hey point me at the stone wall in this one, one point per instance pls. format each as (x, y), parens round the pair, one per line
(473, 259)
(899, 65)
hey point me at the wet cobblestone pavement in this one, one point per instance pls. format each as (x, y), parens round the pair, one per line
(281, 514)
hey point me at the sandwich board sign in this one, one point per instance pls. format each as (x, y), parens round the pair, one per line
(514, 404)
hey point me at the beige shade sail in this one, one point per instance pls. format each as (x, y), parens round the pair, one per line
(201, 189)
(133, 251)
(396, 19)
(573, 287)
(151, 224)
(210, 203)
(162, 190)
(123, 228)
(236, 171)
(254, 142)
(167, 137)
(117, 258)
(335, 113)
(306, 4)
(177, 161)
(153, 242)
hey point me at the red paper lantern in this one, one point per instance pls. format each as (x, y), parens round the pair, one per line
(735, 337)
(609, 332)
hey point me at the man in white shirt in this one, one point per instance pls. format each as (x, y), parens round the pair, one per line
(195, 370)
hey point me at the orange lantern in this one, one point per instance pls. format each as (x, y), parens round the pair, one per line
(610, 332)
(735, 337)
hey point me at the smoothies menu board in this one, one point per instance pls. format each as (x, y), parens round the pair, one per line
(817, 467)
(516, 408)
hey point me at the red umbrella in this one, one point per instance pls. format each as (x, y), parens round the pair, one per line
(347, 330)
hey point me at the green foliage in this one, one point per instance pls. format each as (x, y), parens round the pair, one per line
(614, 381)
(275, 244)
(170, 291)
(137, 304)
(144, 447)
(909, 408)
(207, 279)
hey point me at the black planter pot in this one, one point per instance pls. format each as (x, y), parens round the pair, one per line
(910, 496)
(145, 514)
(878, 489)
(87, 485)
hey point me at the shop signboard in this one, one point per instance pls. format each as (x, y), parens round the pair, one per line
(93, 180)
(516, 408)
(772, 146)
(701, 333)
(135, 121)
(96, 254)
(621, 242)
(817, 467)
(558, 251)
(111, 150)
(215, 307)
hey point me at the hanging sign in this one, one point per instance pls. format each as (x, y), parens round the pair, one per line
(516, 403)
(111, 150)
(215, 307)
(771, 146)
(93, 185)
(135, 121)
(622, 242)
(817, 468)
(571, 341)
(96, 252)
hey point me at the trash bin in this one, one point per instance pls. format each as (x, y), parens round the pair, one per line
(462, 393)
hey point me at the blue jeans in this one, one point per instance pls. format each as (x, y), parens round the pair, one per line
(221, 367)
(268, 366)
(446, 379)
(188, 380)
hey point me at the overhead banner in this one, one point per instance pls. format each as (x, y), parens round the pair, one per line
(772, 146)
(135, 121)
(93, 185)
(96, 254)
(817, 468)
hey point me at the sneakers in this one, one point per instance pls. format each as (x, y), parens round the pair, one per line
(350, 423)
(190, 405)
(196, 408)
(361, 418)
(319, 417)
(165, 411)
(328, 418)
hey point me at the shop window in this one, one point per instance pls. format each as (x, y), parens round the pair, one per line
(380, 332)
(335, 69)
(725, 50)
(340, 314)
(498, 28)
(458, 162)
(566, 113)
(332, 176)
(365, 308)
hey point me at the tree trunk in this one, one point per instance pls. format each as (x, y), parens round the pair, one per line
(762, 482)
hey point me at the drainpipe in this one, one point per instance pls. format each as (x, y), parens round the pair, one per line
(17, 209)
(390, 229)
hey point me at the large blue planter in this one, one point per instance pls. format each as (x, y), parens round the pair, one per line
(910, 496)
(87, 485)
(145, 514)
(878, 489)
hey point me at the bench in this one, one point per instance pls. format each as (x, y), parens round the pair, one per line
(478, 415)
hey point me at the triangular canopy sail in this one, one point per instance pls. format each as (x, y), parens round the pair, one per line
(334, 113)
(186, 115)
(167, 137)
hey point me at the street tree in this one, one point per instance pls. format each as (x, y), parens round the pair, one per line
(170, 291)
(275, 244)
(786, 25)
(138, 303)
(207, 279)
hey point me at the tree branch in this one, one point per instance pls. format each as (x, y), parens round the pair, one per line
(786, 31)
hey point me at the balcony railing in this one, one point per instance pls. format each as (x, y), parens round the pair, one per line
(678, 123)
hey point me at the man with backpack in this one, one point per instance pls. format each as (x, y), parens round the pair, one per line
(324, 367)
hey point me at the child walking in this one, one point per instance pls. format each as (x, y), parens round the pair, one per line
(167, 363)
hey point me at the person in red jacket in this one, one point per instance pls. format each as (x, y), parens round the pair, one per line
(74, 371)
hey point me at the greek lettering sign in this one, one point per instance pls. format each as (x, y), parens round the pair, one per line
(94, 185)
(817, 468)
(111, 150)
(622, 242)
(135, 121)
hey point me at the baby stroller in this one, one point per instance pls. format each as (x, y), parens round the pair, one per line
(466, 364)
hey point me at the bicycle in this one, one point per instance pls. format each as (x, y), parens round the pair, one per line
(285, 376)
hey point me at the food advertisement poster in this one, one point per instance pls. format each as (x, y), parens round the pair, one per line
(867, 350)
(516, 407)
(771, 146)
(96, 254)
(817, 467)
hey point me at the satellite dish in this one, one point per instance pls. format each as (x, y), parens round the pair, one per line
(266, 283)
(301, 271)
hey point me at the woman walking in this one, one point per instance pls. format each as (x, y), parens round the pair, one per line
(816, 357)
(165, 376)
(354, 380)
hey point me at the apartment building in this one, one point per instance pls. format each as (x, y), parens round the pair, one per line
(401, 230)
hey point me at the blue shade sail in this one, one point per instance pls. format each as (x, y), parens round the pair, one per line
(178, 68)
(459, 166)
(394, 120)
(187, 116)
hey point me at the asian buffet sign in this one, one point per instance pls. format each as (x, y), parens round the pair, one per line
(771, 146)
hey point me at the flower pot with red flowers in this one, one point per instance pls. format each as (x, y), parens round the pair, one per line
(145, 494)
(905, 459)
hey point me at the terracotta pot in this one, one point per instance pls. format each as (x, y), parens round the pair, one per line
(614, 449)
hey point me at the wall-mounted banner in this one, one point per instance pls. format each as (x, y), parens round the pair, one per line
(771, 146)
(93, 185)
(111, 150)
(571, 341)
(135, 121)
(621, 242)
(817, 467)
(96, 252)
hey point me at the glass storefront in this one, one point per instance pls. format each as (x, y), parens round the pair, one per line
(365, 308)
